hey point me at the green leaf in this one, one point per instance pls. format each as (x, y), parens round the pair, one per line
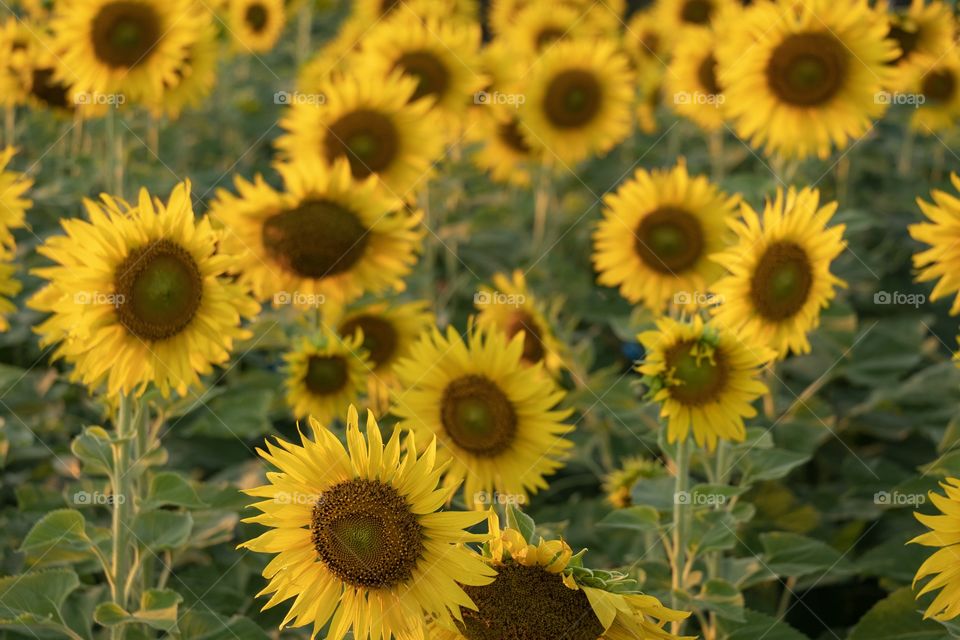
(712, 530)
(758, 625)
(897, 617)
(36, 597)
(58, 537)
(94, 449)
(158, 610)
(722, 598)
(171, 489)
(636, 518)
(241, 412)
(158, 530)
(520, 521)
(789, 554)
(770, 464)
(206, 625)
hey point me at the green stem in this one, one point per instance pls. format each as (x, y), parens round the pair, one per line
(123, 506)
(681, 498)
(715, 144)
(541, 203)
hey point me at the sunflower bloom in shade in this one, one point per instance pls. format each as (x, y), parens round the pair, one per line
(325, 375)
(357, 536)
(942, 232)
(138, 294)
(13, 203)
(9, 287)
(924, 29)
(779, 272)
(704, 379)
(494, 419)
(944, 564)
(255, 25)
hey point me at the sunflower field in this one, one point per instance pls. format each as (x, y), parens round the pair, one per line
(479, 320)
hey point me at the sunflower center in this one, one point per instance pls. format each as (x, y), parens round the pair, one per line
(649, 43)
(315, 240)
(478, 416)
(696, 11)
(125, 32)
(533, 347)
(572, 99)
(547, 36)
(380, 337)
(698, 378)
(325, 374)
(669, 240)
(433, 77)
(366, 534)
(368, 139)
(509, 134)
(807, 69)
(905, 38)
(939, 86)
(782, 281)
(49, 91)
(707, 74)
(256, 17)
(159, 288)
(529, 603)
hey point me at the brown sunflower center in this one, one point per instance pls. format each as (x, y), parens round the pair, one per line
(432, 75)
(367, 139)
(366, 534)
(547, 36)
(529, 603)
(707, 75)
(386, 6)
(159, 289)
(573, 98)
(478, 416)
(696, 11)
(782, 281)
(380, 337)
(325, 374)
(939, 86)
(533, 347)
(256, 17)
(649, 43)
(699, 379)
(509, 134)
(808, 69)
(669, 240)
(905, 38)
(315, 240)
(49, 91)
(125, 32)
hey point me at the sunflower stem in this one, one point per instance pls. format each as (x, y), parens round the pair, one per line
(541, 203)
(304, 29)
(717, 165)
(680, 501)
(906, 152)
(122, 505)
(10, 126)
(115, 153)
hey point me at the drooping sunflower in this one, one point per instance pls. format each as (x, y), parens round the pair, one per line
(197, 73)
(13, 203)
(691, 84)
(803, 78)
(543, 592)
(658, 231)
(943, 564)
(357, 536)
(510, 307)
(938, 81)
(255, 25)
(579, 100)
(705, 379)
(325, 375)
(129, 47)
(923, 29)
(942, 232)
(138, 295)
(504, 152)
(9, 286)
(371, 123)
(779, 271)
(495, 420)
(618, 484)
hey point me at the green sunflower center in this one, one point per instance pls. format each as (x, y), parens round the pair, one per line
(478, 416)
(906, 39)
(782, 281)
(529, 603)
(125, 32)
(325, 375)
(256, 17)
(509, 134)
(573, 98)
(696, 11)
(533, 347)
(366, 534)
(808, 69)
(367, 139)
(433, 77)
(699, 380)
(380, 337)
(707, 75)
(315, 240)
(669, 240)
(159, 289)
(49, 91)
(939, 86)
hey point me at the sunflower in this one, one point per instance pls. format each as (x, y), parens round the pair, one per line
(800, 78)
(504, 152)
(943, 564)
(658, 231)
(649, 97)
(130, 47)
(605, 16)
(691, 81)
(618, 484)
(704, 378)
(325, 375)
(579, 100)
(938, 81)
(13, 203)
(924, 29)
(494, 418)
(779, 271)
(336, 55)
(647, 41)
(15, 42)
(9, 286)
(680, 14)
(358, 538)
(441, 56)
(942, 233)
(44, 90)
(255, 25)
(326, 239)
(371, 123)
(509, 306)
(370, 12)
(197, 73)
(138, 295)
(543, 23)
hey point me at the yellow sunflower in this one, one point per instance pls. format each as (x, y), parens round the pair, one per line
(495, 419)
(680, 14)
(578, 101)
(691, 84)
(357, 536)
(509, 306)
(336, 55)
(128, 47)
(543, 23)
(255, 25)
(325, 240)
(648, 42)
(779, 271)
(923, 29)
(44, 90)
(658, 232)
(371, 123)
(943, 564)
(649, 97)
(606, 15)
(15, 42)
(370, 12)
(13, 203)
(9, 286)
(802, 78)
(705, 379)
(504, 152)
(938, 81)
(138, 295)
(325, 375)
(197, 73)
(942, 233)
